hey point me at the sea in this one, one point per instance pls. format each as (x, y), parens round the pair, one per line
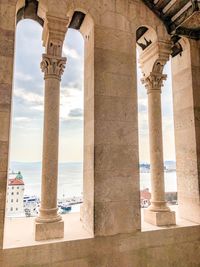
(70, 178)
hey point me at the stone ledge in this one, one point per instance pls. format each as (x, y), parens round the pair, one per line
(73, 230)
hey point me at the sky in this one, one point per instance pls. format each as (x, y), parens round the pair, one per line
(28, 99)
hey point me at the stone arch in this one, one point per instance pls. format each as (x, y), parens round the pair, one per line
(28, 9)
(145, 36)
(147, 17)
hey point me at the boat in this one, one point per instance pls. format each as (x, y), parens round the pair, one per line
(65, 207)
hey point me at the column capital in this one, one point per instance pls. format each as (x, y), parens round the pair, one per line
(52, 66)
(154, 82)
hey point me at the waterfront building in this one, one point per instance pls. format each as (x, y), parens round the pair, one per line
(15, 196)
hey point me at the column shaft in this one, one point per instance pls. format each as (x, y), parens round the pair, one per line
(49, 223)
(156, 150)
(50, 150)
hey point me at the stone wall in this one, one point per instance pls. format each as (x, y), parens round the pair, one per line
(170, 247)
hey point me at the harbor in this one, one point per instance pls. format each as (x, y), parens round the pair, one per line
(65, 205)
(20, 205)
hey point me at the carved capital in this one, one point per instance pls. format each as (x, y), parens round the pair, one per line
(53, 67)
(154, 82)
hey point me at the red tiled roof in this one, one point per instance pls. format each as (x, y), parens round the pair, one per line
(145, 194)
(15, 182)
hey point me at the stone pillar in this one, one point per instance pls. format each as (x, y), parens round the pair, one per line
(111, 174)
(186, 98)
(49, 223)
(153, 61)
(7, 39)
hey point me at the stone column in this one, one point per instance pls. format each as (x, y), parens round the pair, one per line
(53, 68)
(153, 85)
(49, 223)
(158, 212)
(152, 61)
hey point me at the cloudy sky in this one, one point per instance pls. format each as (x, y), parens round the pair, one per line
(27, 122)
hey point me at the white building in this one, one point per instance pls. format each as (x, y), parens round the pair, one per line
(15, 196)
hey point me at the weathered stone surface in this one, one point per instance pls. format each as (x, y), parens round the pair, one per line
(185, 70)
(5, 94)
(162, 218)
(107, 216)
(6, 69)
(46, 231)
(124, 182)
(169, 247)
(7, 14)
(5, 126)
(115, 108)
(115, 132)
(6, 43)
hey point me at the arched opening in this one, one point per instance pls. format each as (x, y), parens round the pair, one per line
(70, 186)
(24, 179)
(70, 182)
(27, 118)
(146, 39)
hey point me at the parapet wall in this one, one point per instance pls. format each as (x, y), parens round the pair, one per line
(177, 247)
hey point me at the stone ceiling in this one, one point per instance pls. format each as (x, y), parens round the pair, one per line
(181, 17)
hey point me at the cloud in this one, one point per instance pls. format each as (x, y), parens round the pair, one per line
(28, 55)
(70, 52)
(78, 85)
(23, 77)
(29, 97)
(77, 112)
(71, 125)
(70, 99)
(142, 106)
(74, 50)
(22, 119)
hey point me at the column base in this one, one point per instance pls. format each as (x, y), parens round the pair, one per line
(51, 230)
(160, 218)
